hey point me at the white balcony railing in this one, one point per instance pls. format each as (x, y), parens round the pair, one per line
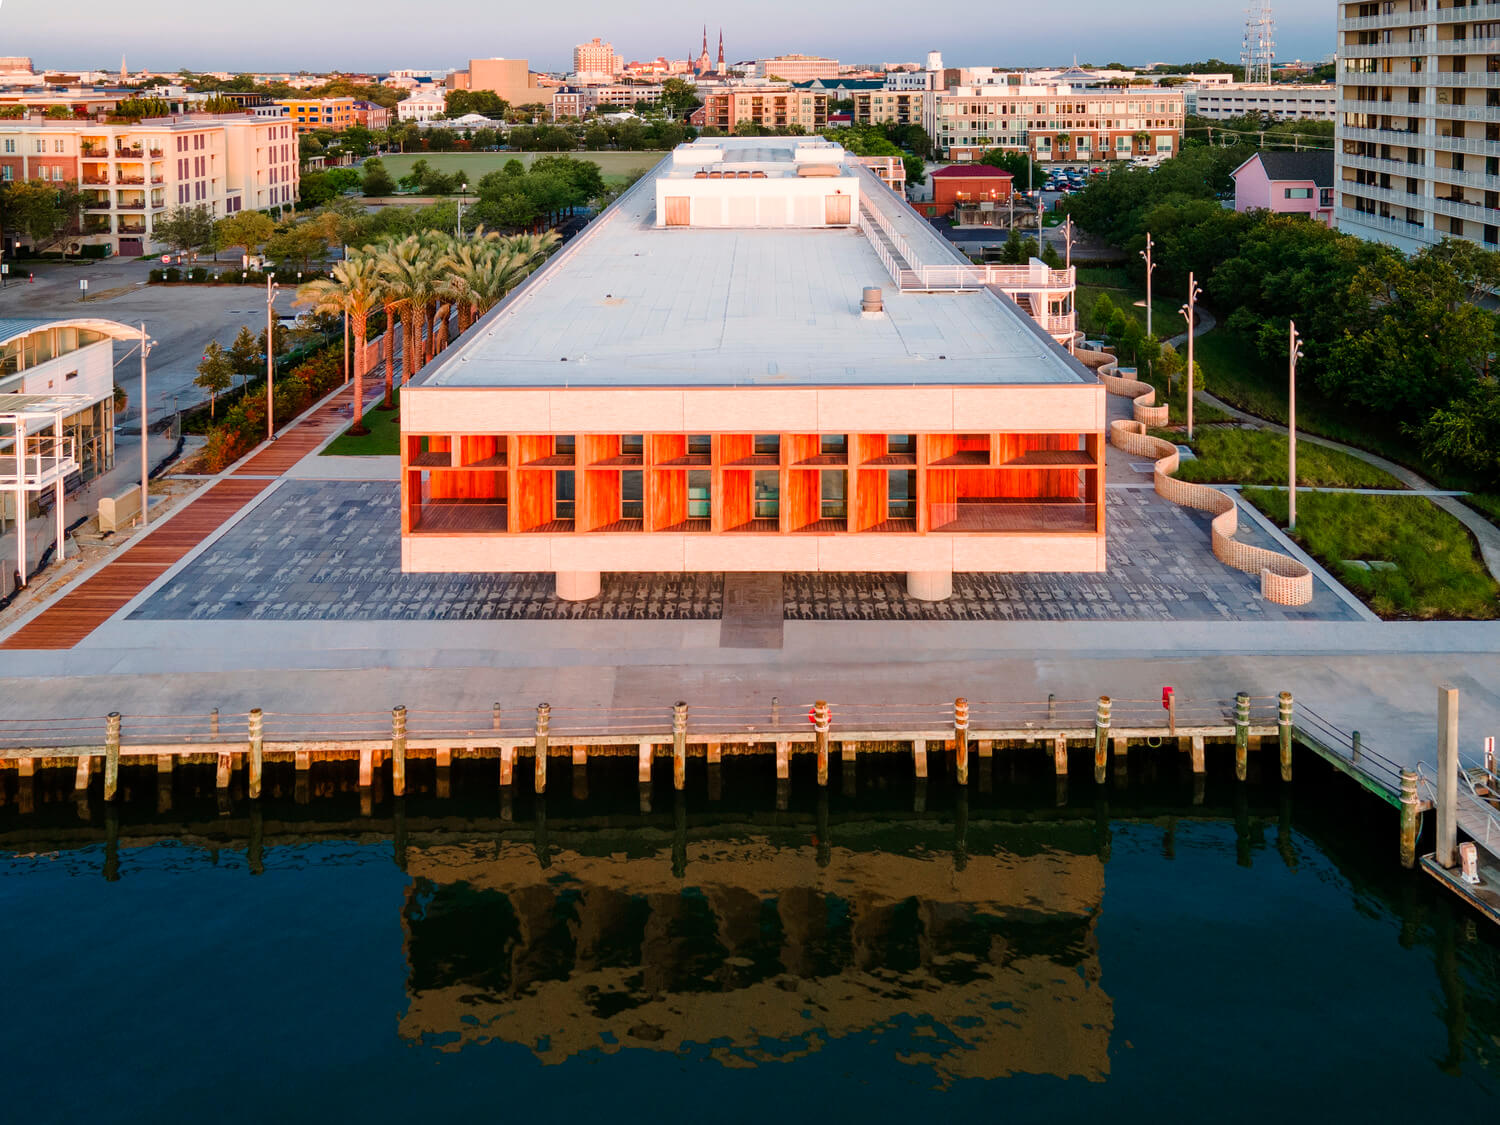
(45, 459)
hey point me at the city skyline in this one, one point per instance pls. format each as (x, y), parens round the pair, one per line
(96, 34)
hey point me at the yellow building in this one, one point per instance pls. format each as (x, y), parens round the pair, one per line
(307, 114)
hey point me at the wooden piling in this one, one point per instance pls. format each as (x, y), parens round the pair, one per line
(1060, 756)
(644, 753)
(164, 765)
(679, 745)
(1197, 751)
(398, 751)
(26, 767)
(507, 765)
(1241, 735)
(783, 760)
(444, 755)
(256, 753)
(81, 777)
(302, 760)
(366, 768)
(847, 750)
(1101, 738)
(1122, 758)
(1410, 818)
(714, 753)
(919, 757)
(213, 723)
(961, 740)
(1446, 852)
(495, 716)
(1284, 733)
(543, 722)
(580, 755)
(224, 772)
(820, 739)
(111, 755)
(985, 748)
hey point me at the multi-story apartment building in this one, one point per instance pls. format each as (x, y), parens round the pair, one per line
(597, 57)
(797, 68)
(1418, 139)
(307, 114)
(772, 105)
(1054, 122)
(876, 107)
(576, 101)
(759, 359)
(1284, 101)
(133, 173)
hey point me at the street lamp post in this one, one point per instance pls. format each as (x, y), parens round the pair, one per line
(145, 459)
(1294, 353)
(1190, 312)
(1068, 235)
(271, 288)
(1150, 266)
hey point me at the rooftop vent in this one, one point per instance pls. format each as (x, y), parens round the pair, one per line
(872, 302)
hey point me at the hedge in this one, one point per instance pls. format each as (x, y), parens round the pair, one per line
(243, 425)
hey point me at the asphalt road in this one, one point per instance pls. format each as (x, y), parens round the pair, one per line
(182, 319)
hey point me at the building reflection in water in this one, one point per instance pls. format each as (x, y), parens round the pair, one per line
(762, 952)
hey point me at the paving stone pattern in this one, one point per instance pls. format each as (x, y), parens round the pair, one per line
(329, 550)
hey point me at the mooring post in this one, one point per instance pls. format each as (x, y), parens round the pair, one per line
(679, 745)
(1101, 738)
(775, 710)
(644, 752)
(961, 740)
(213, 722)
(919, 756)
(1355, 746)
(783, 759)
(111, 755)
(1447, 776)
(256, 755)
(820, 739)
(1051, 707)
(1284, 732)
(507, 765)
(1410, 818)
(543, 720)
(398, 751)
(1241, 734)
(495, 716)
(1171, 712)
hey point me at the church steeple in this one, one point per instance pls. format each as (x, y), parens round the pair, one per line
(721, 50)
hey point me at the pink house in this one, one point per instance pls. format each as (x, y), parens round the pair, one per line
(1298, 183)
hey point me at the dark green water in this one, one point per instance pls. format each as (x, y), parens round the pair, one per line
(885, 953)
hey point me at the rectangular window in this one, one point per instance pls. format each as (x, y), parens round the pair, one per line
(832, 444)
(698, 494)
(901, 494)
(767, 498)
(834, 495)
(1298, 192)
(6, 172)
(700, 445)
(632, 445)
(901, 443)
(632, 495)
(563, 508)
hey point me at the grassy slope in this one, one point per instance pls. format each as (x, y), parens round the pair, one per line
(1237, 456)
(1439, 573)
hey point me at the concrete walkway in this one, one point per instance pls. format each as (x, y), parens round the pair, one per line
(1485, 533)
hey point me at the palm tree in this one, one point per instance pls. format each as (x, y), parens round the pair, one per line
(355, 289)
(410, 271)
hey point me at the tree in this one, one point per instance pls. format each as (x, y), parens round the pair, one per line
(679, 97)
(1024, 172)
(248, 230)
(186, 228)
(377, 181)
(355, 290)
(44, 210)
(245, 358)
(456, 103)
(215, 373)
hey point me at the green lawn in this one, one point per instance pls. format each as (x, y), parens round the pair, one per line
(1485, 503)
(1235, 456)
(383, 440)
(1438, 574)
(615, 166)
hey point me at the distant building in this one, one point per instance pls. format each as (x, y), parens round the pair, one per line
(771, 106)
(371, 115)
(1282, 100)
(797, 68)
(597, 57)
(511, 79)
(876, 107)
(973, 194)
(134, 173)
(422, 106)
(308, 114)
(1289, 183)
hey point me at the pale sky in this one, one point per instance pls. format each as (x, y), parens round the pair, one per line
(384, 35)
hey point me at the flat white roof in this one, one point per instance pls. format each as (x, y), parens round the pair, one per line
(630, 304)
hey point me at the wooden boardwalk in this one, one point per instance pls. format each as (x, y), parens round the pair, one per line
(95, 600)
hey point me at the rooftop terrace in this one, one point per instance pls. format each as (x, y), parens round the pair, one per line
(630, 304)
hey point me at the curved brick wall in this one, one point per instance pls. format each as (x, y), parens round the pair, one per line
(1283, 579)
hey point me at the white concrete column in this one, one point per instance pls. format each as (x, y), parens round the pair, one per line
(577, 585)
(929, 585)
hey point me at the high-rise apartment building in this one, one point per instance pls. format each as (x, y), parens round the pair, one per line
(1418, 135)
(596, 57)
(797, 68)
(134, 173)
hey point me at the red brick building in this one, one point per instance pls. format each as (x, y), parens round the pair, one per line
(967, 188)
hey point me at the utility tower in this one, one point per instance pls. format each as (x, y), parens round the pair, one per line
(1258, 48)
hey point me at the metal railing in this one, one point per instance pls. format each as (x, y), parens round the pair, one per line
(43, 459)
